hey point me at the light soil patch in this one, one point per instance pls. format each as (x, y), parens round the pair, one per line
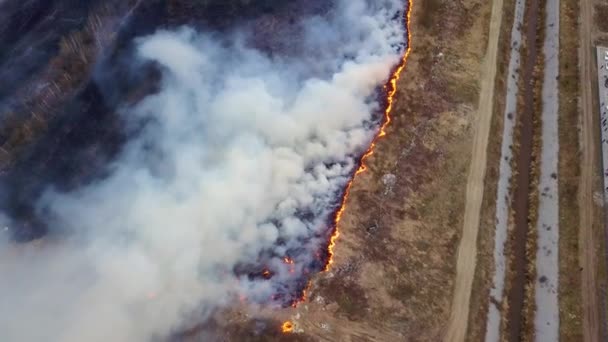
(483, 282)
(467, 250)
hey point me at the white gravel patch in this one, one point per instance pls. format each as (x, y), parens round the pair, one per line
(546, 321)
(504, 178)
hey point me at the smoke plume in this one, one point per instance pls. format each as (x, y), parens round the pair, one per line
(234, 165)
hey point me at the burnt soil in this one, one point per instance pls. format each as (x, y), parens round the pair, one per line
(65, 137)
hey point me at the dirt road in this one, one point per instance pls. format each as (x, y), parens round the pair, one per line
(587, 250)
(467, 250)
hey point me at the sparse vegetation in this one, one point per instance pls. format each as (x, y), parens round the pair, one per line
(429, 13)
(569, 284)
(416, 230)
(601, 17)
(349, 295)
(485, 265)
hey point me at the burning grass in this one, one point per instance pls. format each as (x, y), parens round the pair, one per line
(406, 238)
(77, 44)
(393, 240)
(390, 89)
(249, 329)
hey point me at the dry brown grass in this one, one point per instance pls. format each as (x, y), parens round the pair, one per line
(399, 248)
(601, 17)
(394, 264)
(485, 257)
(600, 215)
(515, 157)
(569, 157)
(529, 307)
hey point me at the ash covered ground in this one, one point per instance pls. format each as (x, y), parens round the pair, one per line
(162, 159)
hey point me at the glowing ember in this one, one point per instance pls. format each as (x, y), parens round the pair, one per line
(391, 89)
(287, 327)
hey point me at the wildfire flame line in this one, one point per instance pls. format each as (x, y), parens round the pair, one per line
(391, 89)
(287, 327)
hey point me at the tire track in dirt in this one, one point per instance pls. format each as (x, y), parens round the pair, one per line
(586, 238)
(467, 249)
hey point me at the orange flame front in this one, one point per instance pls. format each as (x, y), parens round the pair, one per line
(287, 327)
(289, 261)
(391, 90)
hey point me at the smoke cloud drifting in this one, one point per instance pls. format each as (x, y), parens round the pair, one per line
(237, 161)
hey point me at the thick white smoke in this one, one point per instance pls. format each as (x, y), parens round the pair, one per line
(240, 161)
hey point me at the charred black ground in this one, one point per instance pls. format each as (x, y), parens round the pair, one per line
(70, 140)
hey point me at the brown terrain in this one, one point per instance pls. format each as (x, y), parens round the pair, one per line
(582, 269)
(592, 233)
(395, 261)
(467, 250)
(516, 289)
(480, 299)
(588, 169)
(413, 260)
(569, 171)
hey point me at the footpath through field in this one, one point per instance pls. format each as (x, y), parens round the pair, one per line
(467, 249)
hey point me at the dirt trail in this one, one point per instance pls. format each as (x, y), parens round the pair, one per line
(586, 205)
(467, 250)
